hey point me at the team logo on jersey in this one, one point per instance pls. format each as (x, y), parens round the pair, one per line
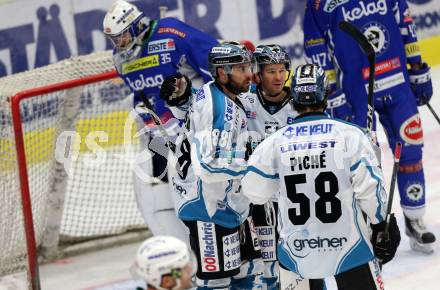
(414, 192)
(364, 10)
(411, 130)
(142, 63)
(331, 5)
(145, 82)
(161, 45)
(377, 36)
(208, 247)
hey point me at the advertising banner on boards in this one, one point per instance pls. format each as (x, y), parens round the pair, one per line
(46, 31)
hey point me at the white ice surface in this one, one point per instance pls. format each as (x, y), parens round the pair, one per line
(108, 269)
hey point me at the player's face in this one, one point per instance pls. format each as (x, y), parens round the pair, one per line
(122, 41)
(241, 76)
(273, 77)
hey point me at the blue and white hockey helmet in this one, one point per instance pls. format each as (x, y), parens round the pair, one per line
(309, 85)
(124, 24)
(271, 54)
(226, 55)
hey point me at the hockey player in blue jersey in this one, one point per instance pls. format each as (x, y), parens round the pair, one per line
(145, 52)
(325, 175)
(398, 91)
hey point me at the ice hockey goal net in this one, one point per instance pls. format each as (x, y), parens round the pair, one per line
(64, 159)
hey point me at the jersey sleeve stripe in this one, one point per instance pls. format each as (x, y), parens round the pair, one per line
(261, 173)
(378, 186)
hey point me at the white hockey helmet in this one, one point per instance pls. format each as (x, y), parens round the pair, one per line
(163, 255)
(124, 24)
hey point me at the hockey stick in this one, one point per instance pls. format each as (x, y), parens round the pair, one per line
(397, 151)
(433, 112)
(149, 108)
(368, 50)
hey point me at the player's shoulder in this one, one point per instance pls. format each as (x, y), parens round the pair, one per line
(172, 27)
(202, 95)
(349, 126)
(338, 125)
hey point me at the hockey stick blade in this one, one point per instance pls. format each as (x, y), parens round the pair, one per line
(368, 50)
(433, 112)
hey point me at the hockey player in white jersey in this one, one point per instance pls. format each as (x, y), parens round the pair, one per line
(327, 175)
(268, 108)
(211, 159)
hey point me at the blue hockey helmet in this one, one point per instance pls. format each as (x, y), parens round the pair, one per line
(125, 25)
(226, 55)
(309, 85)
(271, 54)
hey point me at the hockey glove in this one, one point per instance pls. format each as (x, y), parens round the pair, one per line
(421, 84)
(338, 107)
(176, 89)
(385, 247)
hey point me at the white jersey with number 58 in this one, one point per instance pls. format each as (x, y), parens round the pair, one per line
(327, 174)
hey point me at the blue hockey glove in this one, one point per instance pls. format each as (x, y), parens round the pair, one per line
(421, 84)
(338, 107)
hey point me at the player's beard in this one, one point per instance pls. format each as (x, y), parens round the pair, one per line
(242, 86)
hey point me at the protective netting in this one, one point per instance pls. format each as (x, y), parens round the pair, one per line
(79, 150)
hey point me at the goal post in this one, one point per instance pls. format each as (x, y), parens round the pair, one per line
(65, 161)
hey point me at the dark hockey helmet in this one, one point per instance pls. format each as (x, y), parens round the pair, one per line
(309, 85)
(226, 55)
(271, 54)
